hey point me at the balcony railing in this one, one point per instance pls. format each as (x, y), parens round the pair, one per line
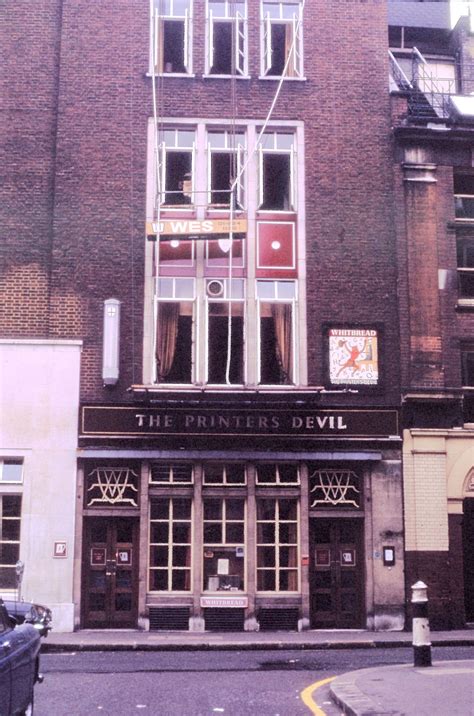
(464, 206)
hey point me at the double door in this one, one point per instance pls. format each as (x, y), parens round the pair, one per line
(336, 574)
(109, 573)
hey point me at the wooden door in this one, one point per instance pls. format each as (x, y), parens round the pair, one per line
(110, 569)
(336, 576)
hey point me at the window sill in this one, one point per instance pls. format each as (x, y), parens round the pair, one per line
(277, 78)
(465, 303)
(208, 76)
(191, 387)
(170, 74)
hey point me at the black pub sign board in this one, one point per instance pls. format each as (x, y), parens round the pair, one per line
(263, 424)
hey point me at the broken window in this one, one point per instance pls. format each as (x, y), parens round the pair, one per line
(276, 334)
(277, 181)
(177, 166)
(282, 33)
(227, 38)
(171, 33)
(174, 330)
(226, 156)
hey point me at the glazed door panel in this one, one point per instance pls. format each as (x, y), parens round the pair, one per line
(110, 584)
(336, 577)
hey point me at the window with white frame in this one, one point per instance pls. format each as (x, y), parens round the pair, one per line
(229, 474)
(224, 539)
(225, 331)
(177, 166)
(277, 545)
(171, 36)
(11, 470)
(226, 152)
(277, 474)
(176, 473)
(277, 168)
(175, 312)
(170, 544)
(10, 523)
(227, 37)
(282, 32)
(277, 345)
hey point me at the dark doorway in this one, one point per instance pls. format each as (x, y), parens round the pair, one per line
(336, 576)
(468, 557)
(110, 569)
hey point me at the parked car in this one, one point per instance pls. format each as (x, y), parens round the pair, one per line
(20, 612)
(19, 666)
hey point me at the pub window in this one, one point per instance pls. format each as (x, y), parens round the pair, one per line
(226, 158)
(171, 36)
(465, 258)
(10, 522)
(277, 545)
(174, 330)
(11, 470)
(282, 36)
(225, 332)
(277, 172)
(277, 474)
(276, 301)
(224, 537)
(467, 375)
(171, 474)
(227, 37)
(229, 474)
(177, 166)
(170, 545)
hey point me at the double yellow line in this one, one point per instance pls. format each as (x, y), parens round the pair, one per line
(307, 696)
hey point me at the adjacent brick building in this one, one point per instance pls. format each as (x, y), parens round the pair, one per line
(203, 197)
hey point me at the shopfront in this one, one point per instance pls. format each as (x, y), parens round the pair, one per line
(238, 514)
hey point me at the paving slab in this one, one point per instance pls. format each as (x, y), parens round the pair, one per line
(444, 689)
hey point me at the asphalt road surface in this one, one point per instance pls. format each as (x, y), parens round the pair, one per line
(203, 683)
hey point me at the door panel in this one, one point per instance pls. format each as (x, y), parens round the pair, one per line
(336, 576)
(110, 561)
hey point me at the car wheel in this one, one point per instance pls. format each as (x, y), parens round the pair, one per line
(30, 708)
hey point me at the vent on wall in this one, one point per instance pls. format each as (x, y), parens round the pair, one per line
(215, 288)
(224, 619)
(169, 618)
(278, 619)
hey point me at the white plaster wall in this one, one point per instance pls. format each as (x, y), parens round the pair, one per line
(39, 406)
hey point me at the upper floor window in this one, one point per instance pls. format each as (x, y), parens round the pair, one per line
(277, 172)
(227, 37)
(171, 36)
(226, 158)
(282, 39)
(174, 334)
(276, 303)
(177, 166)
(10, 522)
(11, 470)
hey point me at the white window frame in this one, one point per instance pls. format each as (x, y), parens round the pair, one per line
(11, 460)
(239, 32)
(172, 296)
(155, 20)
(172, 466)
(170, 544)
(271, 147)
(278, 544)
(278, 482)
(266, 37)
(240, 151)
(236, 298)
(166, 147)
(5, 565)
(278, 298)
(224, 544)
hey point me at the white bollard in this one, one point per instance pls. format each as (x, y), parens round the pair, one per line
(421, 625)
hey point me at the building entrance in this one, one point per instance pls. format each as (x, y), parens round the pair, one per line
(109, 573)
(336, 574)
(468, 557)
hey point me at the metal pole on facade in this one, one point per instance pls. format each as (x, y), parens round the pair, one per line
(421, 625)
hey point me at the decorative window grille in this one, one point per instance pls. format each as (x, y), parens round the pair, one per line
(334, 488)
(112, 486)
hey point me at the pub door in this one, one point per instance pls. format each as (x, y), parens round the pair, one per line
(336, 574)
(110, 573)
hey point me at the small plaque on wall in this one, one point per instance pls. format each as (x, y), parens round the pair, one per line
(60, 549)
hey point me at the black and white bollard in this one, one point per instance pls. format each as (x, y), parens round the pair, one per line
(421, 625)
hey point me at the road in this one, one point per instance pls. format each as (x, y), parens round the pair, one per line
(202, 683)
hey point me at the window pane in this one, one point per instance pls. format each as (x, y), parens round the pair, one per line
(181, 556)
(182, 533)
(178, 170)
(235, 474)
(174, 343)
(159, 556)
(266, 509)
(159, 580)
(159, 509)
(212, 509)
(235, 509)
(265, 580)
(11, 505)
(218, 343)
(10, 530)
(159, 533)
(287, 509)
(173, 46)
(184, 288)
(288, 533)
(288, 581)
(12, 471)
(266, 473)
(288, 473)
(266, 533)
(266, 289)
(213, 533)
(214, 474)
(181, 509)
(222, 42)
(234, 533)
(276, 182)
(181, 580)
(266, 557)
(286, 289)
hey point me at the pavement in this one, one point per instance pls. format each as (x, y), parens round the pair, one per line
(444, 689)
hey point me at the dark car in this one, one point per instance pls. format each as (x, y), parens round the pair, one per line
(19, 666)
(30, 613)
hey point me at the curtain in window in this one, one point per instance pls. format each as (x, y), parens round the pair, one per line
(167, 333)
(281, 313)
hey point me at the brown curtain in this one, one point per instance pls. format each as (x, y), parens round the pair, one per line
(290, 72)
(166, 335)
(281, 313)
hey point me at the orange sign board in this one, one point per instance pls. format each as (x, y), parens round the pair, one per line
(195, 227)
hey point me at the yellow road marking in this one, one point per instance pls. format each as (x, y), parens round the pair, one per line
(307, 696)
